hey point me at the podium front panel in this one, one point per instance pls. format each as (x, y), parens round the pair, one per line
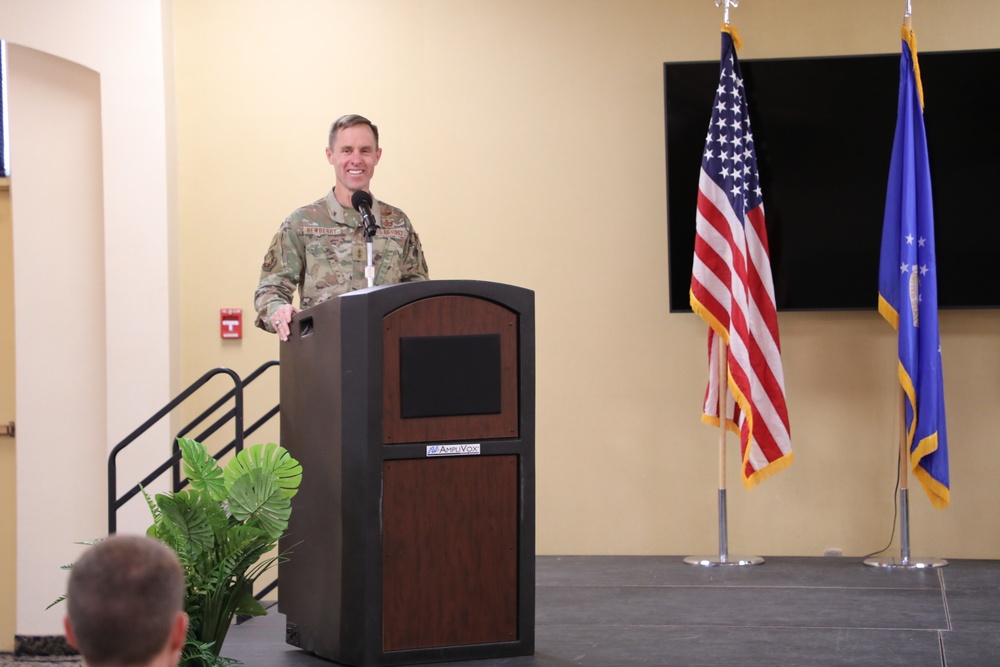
(449, 552)
(466, 320)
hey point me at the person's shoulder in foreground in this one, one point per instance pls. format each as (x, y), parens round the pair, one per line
(125, 601)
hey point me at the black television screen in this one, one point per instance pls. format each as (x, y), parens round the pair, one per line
(823, 131)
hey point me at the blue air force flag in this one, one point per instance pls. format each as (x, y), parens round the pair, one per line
(908, 284)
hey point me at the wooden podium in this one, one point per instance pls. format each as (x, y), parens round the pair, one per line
(412, 410)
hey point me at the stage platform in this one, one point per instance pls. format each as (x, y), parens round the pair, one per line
(619, 611)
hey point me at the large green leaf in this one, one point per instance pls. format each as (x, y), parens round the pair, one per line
(241, 548)
(270, 458)
(191, 516)
(202, 470)
(256, 499)
(247, 605)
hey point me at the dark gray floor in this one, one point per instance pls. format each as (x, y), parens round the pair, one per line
(617, 611)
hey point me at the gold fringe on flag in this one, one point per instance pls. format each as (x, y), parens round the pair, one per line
(910, 38)
(731, 29)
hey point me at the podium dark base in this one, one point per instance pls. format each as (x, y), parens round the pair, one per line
(449, 568)
(449, 552)
(431, 655)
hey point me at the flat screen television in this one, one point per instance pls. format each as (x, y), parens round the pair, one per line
(823, 131)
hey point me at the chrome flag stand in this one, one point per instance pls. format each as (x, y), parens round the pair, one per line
(723, 558)
(904, 560)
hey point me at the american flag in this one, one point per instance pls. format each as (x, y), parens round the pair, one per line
(908, 284)
(731, 287)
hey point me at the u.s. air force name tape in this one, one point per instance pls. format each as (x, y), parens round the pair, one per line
(453, 450)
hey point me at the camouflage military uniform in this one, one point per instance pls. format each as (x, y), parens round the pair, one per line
(321, 249)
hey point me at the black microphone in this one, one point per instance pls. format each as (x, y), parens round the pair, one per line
(362, 203)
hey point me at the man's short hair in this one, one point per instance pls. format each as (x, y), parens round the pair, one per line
(123, 597)
(350, 120)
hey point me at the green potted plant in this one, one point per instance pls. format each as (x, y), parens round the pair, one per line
(221, 528)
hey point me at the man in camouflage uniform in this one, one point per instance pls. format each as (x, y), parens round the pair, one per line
(321, 248)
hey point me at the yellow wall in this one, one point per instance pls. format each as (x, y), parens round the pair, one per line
(525, 140)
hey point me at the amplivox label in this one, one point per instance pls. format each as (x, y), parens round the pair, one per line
(453, 450)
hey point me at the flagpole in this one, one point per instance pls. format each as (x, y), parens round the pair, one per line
(723, 387)
(904, 560)
(904, 484)
(723, 558)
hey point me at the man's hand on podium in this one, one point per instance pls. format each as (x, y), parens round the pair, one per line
(281, 321)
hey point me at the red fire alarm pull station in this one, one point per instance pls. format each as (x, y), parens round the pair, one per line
(232, 322)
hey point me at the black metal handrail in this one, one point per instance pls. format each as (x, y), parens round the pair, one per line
(178, 482)
(235, 415)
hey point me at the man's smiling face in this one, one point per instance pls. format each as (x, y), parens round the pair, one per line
(353, 155)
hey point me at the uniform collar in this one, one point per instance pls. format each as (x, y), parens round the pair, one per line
(339, 213)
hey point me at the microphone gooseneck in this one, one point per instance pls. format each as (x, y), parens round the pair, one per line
(362, 203)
